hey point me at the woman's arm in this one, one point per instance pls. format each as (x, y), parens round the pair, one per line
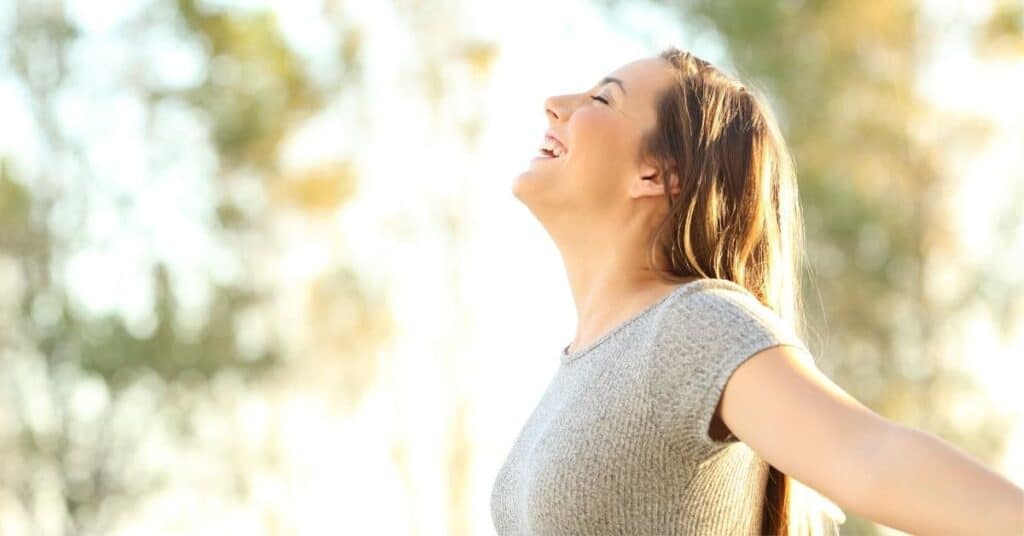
(799, 421)
(927, 486)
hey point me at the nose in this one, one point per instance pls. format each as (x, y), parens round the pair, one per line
(550, 107)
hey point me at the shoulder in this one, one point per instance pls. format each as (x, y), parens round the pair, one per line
(700, 337)
(717, 310)
(714, 326)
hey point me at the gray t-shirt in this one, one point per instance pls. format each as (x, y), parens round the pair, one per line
(618, 442)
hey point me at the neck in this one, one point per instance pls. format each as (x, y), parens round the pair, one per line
(609, 287)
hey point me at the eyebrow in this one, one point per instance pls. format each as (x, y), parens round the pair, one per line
(611, 79)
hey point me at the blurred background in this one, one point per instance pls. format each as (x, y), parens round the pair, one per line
(261, 270)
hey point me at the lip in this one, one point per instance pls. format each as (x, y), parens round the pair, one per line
(550, 134)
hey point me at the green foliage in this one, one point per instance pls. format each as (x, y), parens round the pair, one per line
(255, 86)
(254, 92)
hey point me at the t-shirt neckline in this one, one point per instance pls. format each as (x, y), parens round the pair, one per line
(566, 357)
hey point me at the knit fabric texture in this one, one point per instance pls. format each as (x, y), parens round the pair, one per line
(618, 442)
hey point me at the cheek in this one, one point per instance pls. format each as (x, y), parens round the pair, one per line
(600, 150)
(599, 139)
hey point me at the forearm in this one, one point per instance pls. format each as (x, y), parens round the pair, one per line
(926, 486)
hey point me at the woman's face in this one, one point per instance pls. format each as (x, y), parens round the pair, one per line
(599, 175)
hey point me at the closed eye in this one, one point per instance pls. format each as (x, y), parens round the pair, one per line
(600, 98)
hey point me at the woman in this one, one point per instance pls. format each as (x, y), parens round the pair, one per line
(687, 398)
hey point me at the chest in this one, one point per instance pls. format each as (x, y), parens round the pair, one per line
(590, 457)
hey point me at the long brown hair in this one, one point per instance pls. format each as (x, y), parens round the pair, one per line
(737, 217)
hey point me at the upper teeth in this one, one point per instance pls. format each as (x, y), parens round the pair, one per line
(552, 146)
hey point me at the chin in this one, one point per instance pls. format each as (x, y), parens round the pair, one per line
(522, 191)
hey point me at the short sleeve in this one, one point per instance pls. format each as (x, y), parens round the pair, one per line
(699, 340)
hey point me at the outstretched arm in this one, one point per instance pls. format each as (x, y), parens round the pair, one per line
(928, 486)
(799, 421)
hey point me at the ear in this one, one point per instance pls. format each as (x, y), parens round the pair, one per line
(651, 181)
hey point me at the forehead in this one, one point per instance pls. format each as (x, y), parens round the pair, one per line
(643, 80)
(650, 70)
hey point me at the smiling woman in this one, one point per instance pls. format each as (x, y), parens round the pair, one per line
(671, 173)
(687, 396)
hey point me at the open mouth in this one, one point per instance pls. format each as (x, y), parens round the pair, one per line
(547, 153)
(551, 147)
(551, 150)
